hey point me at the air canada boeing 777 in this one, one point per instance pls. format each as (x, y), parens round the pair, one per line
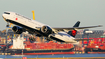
(34, 27)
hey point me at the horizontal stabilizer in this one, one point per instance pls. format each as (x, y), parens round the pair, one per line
(77, 39)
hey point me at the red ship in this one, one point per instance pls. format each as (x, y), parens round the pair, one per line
(96, 46)
(42, 48)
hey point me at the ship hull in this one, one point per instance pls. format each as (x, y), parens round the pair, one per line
(39, 52)
(94, 50)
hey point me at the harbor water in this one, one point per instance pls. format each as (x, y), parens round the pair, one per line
(53, 56)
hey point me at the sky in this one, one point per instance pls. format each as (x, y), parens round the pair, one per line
(58, 13)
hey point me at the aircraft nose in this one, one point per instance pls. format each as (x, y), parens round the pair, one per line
(4, 16)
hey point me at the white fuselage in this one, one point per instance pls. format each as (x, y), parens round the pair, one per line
(30, 23)
(23, 20)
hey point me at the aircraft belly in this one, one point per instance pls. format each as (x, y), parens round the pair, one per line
(58, 37)
(32, 30)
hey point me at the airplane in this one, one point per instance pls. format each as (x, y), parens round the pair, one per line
(23, 23)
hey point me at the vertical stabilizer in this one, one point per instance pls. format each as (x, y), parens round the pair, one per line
(77, 24)
(74, 32)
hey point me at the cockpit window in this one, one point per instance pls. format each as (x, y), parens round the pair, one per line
(6, 13)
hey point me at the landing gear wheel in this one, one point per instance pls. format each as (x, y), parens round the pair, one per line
(7, 24)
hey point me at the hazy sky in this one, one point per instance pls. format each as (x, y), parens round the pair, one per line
(58, 13)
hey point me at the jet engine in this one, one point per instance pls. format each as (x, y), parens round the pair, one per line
(18, 30)
(46, 30)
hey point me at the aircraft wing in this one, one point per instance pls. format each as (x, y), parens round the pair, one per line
(77, 39)
(75, 28)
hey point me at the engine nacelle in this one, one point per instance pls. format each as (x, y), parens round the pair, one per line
(46, 30)
(18, 30)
